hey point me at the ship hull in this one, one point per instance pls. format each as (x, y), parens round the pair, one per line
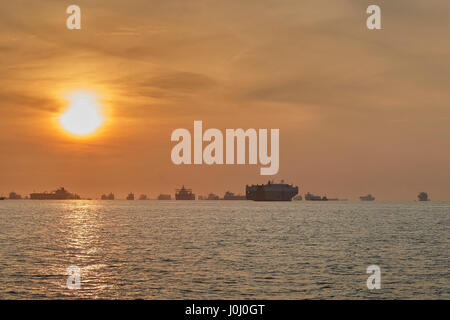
(180, 197)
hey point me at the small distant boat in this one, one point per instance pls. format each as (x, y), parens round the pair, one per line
(164, 197)
(130, 196)
(311, 197)
(367, 198)
(143, 197)
(423, 196)
(231, 196)
(212, 196)
(2, 198)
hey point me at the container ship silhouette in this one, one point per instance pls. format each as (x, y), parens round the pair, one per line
(271, 192)
(367, 198)
(184, 194)
(231, 196)
(59, 194)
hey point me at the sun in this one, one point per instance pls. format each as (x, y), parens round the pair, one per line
(83, 116)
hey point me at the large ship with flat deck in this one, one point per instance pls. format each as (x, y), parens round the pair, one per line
(59, 194)
(271, 192)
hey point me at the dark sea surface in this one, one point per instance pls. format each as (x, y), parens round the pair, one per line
(224, 249)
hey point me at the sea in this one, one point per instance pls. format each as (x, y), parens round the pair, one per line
(223, 250)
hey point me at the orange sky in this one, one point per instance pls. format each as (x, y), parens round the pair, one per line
(359, 111)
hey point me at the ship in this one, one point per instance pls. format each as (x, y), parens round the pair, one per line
(108, 197)
(2, 198)
(59, 194)
(231, 196)
(423, 196)
(130, 196)
(14, 196)
(271, 192)
(311, 197)
(212, 196)
(143, 197)
(164, 197)
(369, 197)
(184, 194)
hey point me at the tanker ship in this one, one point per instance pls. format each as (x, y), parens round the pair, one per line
(271, 192)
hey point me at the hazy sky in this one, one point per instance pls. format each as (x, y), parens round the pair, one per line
(359, 111)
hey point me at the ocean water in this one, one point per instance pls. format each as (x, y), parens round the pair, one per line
(224, 249)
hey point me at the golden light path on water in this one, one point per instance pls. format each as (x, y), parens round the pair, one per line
(223, 249)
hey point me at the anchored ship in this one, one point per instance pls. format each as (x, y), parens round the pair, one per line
(130, 196)
(311, 197)
(367, 198)
(231, 196)
(423, 196)
(184, 194)
(59, 194)
(271, 192)
(14, 196)
(108, 197)
(212, 196)
(164, 197)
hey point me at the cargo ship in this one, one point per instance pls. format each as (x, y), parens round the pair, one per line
(212, 196)
(311, 197)
(164, 197)
(231, 196)
(130, 196)
(367, 198)
(271, 192)
(59, 194)
(423, 196)
(184, 194)
(108, 197)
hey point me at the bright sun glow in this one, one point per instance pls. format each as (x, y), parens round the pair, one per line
(83, 115)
